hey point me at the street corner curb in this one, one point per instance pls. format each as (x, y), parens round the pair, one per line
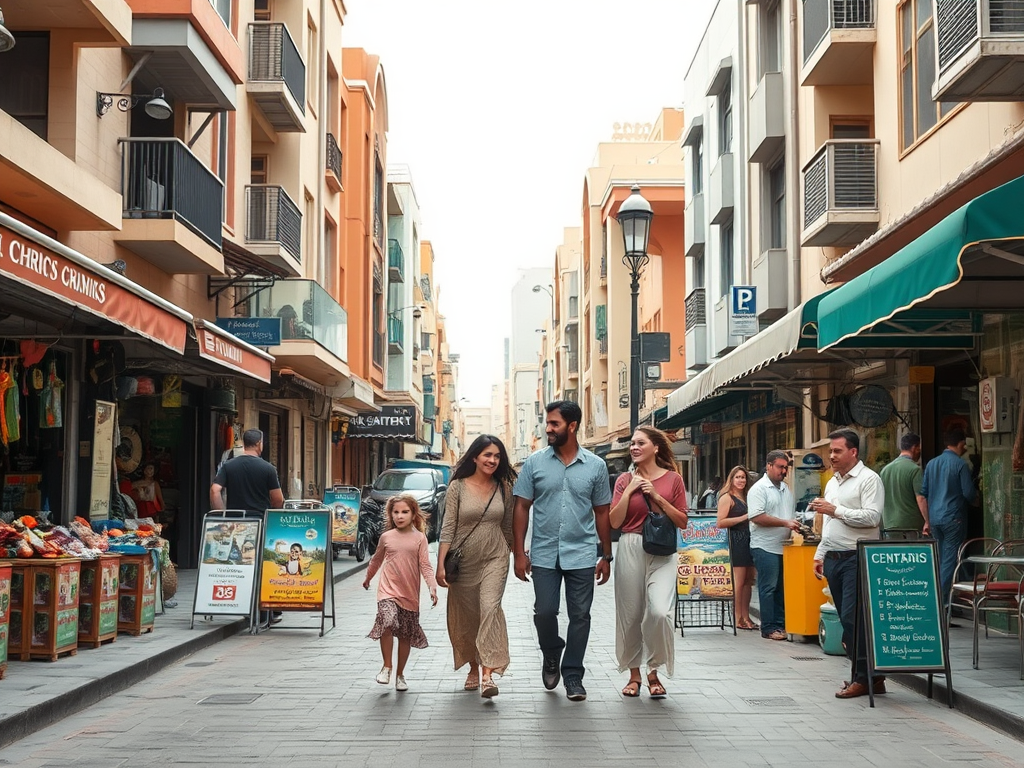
(47, 713)
(1009, 724)
(360, 567)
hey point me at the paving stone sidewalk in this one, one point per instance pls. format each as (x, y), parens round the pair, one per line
(293, 698)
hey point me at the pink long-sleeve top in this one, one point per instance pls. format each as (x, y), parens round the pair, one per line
(401, 559)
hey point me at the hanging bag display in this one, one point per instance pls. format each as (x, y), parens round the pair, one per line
(453, 560)
(659, 533)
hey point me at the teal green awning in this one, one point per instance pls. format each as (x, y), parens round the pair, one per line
(932, 264)
(696, 413)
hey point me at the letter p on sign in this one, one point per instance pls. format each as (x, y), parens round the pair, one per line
(743, 312)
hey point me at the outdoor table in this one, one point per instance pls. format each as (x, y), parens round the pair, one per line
(996, 560)
(988, 561)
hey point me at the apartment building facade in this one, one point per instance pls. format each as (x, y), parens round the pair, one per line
(908, 133)
(184, 247)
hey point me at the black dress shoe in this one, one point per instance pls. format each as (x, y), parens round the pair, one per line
(550, 673)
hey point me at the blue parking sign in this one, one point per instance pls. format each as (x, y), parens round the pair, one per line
(743, 310)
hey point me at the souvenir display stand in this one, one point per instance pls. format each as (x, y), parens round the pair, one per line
(5, 613)
(136, 594)
(97, 601)
(46, 609)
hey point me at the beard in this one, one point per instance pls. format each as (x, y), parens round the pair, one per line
(558, 439)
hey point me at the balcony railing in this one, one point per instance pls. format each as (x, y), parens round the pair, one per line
(380, 341)
(273, 57)
(604, 266)
(823, 16)
(162, 179)
(272, 217)
(396, 335)
(396, 262)
(307, 311)
(573, 361)
(695, 308)
(842, 176)
(980, 50)
(333, 156)
(602, 346)
(574, 307)
(378, 227)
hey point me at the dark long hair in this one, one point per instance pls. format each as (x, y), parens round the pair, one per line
(664, 457)
(466, 467)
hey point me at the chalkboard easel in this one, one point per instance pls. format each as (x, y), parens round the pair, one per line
(900, 608)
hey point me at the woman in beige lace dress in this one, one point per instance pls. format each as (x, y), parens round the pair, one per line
(478, 521)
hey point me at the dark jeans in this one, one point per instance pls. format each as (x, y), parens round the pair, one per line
(771, 595)
(841, 573)
(579, 595)
(949, 537)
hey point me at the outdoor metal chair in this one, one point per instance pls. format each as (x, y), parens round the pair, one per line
(964, 588)
(997, 589)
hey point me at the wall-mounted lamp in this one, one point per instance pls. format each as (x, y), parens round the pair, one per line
(156, 106)
(6, 38)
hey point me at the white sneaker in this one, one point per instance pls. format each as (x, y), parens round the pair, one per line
(400, 684)
(384, 676)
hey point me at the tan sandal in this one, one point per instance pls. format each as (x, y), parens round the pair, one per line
(488, 689)
(632, 689)
(472, 682)
(655, 687)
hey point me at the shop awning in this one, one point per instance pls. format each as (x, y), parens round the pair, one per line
(227, 350)
(974, 250)
(700, 411)
(50, 268)
(796, 330)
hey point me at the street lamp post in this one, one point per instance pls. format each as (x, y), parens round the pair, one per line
(634, 217)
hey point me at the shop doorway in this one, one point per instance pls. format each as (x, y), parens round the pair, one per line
(273, 425)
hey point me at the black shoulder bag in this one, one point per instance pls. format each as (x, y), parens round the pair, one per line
(453, 560)
(659, 534)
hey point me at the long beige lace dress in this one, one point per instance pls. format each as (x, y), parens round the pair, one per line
(476, 622)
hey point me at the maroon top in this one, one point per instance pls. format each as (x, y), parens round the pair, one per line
(670, 486)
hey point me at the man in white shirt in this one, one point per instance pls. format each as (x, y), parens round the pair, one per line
(852, 507)
(772, 512)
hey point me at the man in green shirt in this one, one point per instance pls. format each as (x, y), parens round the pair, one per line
(905, 515)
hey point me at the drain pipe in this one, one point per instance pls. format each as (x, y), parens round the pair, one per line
(793, 161)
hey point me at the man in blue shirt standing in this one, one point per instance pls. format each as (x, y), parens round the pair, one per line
(948, 491)
(568, 487)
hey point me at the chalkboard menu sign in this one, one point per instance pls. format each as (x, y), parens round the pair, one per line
(902, 608)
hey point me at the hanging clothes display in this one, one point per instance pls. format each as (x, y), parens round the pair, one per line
(51, 415)
(10, 403)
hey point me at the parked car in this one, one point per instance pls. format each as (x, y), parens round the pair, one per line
(427, 486)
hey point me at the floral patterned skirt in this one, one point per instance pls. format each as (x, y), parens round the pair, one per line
(403, 624)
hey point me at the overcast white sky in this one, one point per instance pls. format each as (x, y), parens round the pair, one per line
(498, 108)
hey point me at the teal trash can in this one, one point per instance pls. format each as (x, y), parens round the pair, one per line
(830, 631)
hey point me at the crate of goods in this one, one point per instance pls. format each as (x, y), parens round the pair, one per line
(136, 605)
(5, 612)
(44, 608)
(97, 601)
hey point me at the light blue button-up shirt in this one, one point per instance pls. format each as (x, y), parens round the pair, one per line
(564, 497)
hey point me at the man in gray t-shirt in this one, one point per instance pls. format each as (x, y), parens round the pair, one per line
(771, 509)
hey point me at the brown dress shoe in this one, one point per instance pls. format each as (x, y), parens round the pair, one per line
(879, 686)
(852, 691)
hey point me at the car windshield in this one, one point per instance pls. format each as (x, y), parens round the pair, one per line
(404, 481)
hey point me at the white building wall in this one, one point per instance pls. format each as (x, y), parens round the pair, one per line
(406, 230)
(530, 310)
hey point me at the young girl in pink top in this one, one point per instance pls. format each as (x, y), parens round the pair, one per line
(402, 551)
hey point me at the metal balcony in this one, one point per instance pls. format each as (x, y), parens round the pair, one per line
(396, 262)
(980, 51)
(380, 342)
(602, 347)
(696, 331)
(332, 172)
(277, 76)
(173, 207)
(273, 225)
(695, 226)
(840, 195)
(396, 335)
(838, 42)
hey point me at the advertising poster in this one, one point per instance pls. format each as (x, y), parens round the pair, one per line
(344, 505)
(227, 567)
(102, 460)
(67, 604)
(705, 572)
(809, 477)
(294, 559)
(5, 608)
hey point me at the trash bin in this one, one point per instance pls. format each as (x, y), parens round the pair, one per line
(802, 589)
(830, 631)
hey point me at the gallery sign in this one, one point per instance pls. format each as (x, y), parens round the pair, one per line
(393, 422)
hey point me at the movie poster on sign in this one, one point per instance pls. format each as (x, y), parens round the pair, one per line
(294, 559)
(704, 571)
(344, 506)
(227, 570)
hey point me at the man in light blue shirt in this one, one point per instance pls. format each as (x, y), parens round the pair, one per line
(568, 488)
(948, 491)
(771, 509)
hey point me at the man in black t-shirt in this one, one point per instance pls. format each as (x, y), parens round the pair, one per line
(247, 481)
